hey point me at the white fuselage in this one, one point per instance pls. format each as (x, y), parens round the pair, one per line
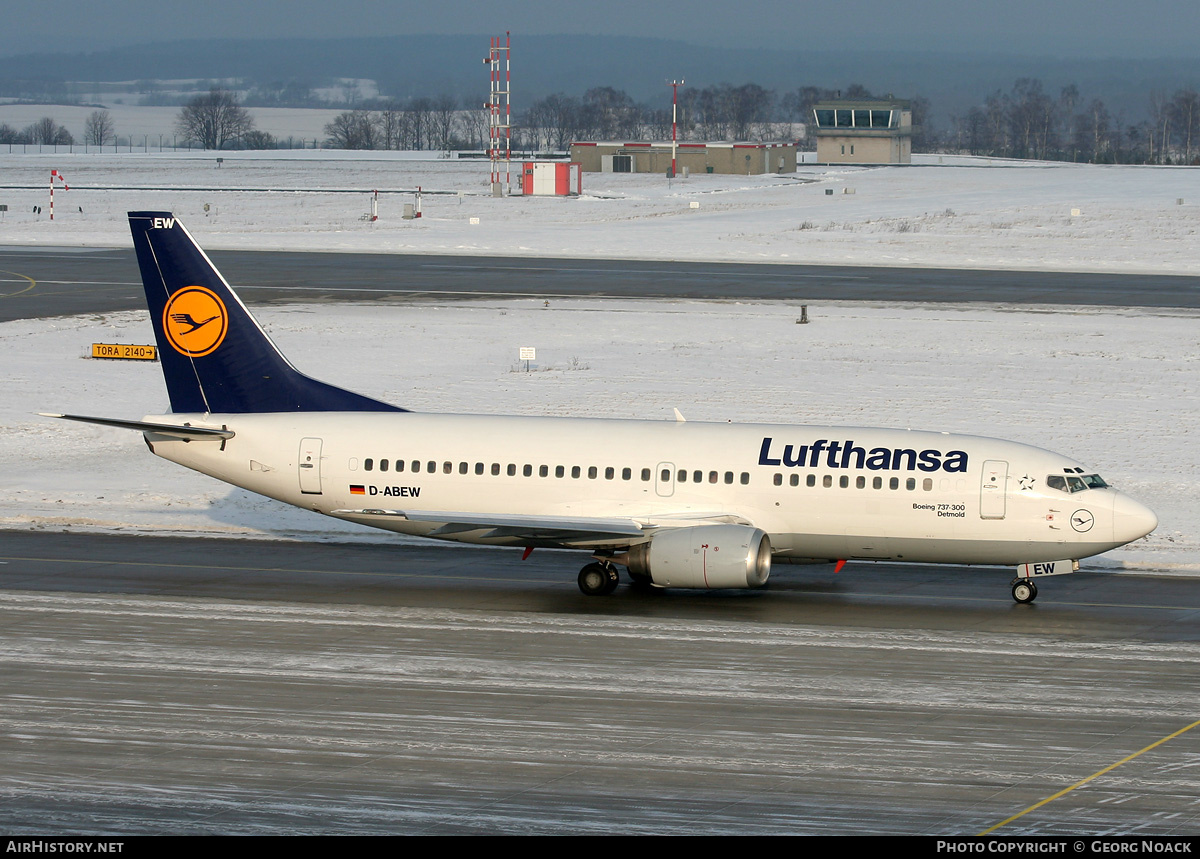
(820, 493)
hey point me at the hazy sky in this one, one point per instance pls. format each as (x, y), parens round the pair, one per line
(1149, 28)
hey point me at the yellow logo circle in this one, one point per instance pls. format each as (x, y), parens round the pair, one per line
(195, 321)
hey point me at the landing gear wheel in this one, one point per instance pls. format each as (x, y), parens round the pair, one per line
(597, 580)
(1024, 591)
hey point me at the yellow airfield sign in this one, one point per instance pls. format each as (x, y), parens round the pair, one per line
(125, 351)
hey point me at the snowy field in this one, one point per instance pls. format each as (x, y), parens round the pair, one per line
(967, 213)
(1114, 388)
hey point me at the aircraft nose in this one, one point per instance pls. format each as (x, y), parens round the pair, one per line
(1132, 520)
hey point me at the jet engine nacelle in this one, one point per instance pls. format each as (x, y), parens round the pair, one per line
(705, 556)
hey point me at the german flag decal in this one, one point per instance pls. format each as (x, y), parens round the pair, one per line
(357, 489)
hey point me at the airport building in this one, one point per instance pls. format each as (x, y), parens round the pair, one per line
(746, 159)
(869, 131)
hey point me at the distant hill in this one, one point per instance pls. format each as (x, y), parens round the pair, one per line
(405, 67)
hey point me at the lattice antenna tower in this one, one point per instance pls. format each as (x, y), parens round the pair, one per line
(499, 107)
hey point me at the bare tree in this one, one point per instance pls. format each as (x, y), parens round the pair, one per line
(553, 122)
(354, 129)
(389, 124)
(214, 119)
(417, 119)
(99, 128)
(47, 131)
(257, 139)
(1186, 109)
(1092, 131)
(611, 114)
(476, 125)
(444, 111)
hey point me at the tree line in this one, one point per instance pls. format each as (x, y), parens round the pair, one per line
(1025, 122)
(1028, 122)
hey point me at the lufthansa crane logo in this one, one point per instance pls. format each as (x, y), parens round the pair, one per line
(1082, 520)
(195, 321)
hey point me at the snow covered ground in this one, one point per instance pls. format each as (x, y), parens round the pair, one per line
(948, 211)
(1114, 388)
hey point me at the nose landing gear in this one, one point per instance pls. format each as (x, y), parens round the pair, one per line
(1024, 591)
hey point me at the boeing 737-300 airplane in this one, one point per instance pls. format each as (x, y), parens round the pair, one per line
(677, 503)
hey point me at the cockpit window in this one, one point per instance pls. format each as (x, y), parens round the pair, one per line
(1071, 483)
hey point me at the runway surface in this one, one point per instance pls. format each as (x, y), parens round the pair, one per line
(38, 282)
(154, 685)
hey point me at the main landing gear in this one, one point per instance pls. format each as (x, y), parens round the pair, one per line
(1024, 591)
(599, 579)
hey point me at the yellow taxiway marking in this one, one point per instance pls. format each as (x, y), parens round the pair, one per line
(1093, 776)
(32, 283)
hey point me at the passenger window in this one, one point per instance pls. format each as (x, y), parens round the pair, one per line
(416, 466)
(626, 474)
(811, 480)
(543, 471)
(745, 478)
(682, 477)
(495, 469)
(860, 482)
(448, 467)
(645, 474)
(431, 467)
(576, 471)
(463, 468)
(512, 469)
(479, 468)
(592, 472)
(368, 464)
(910, 484)
(399, 464)
(877, 483)
(794, 480)
(844, 481)
(712, 477)
(728, 477)
(666, 475)
(697, 477)
(527, 470)
(779, 479)
(559, 471)
(827, 481)
(383, 465)
(894, 483)
(927, 484)
(610, 473)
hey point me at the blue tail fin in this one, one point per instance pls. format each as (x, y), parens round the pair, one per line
(214, 355)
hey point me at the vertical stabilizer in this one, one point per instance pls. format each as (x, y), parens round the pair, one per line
(215, 356)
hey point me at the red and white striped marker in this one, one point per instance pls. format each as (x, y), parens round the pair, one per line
(55, 175)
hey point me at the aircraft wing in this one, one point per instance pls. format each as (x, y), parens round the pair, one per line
(556, 529)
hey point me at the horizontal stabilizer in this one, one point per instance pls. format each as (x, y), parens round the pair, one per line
(190, 433)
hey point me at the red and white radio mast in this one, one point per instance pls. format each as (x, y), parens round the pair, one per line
(499, 108)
